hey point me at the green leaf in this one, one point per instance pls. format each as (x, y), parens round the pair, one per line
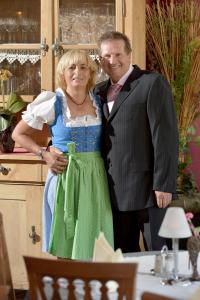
(15, 103)
(189, 160)
(197, 140)
(192, 130)
(197, 229)
(4, 123)
(182, 166)
(5, 112)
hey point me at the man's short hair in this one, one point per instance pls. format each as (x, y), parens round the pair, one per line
(115, 35)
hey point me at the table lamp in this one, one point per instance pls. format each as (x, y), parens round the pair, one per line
(175, 226)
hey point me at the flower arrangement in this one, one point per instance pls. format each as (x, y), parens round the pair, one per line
(13, 104)
(4, 76)
(193, 247)
(10, 106)
(195, 230)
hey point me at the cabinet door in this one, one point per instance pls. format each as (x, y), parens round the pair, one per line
(81, 22)
(21, 209)
(32, 38)
(20, 39)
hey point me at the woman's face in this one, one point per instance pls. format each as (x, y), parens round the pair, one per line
(77, 75)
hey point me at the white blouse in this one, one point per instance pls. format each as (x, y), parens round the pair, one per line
(42, 110)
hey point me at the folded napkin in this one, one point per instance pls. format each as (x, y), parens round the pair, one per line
(103, 252)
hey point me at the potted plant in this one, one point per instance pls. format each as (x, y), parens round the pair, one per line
(8, 111)
(173, 49)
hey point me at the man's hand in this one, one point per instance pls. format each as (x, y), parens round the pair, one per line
(55, 160)
(163, 199)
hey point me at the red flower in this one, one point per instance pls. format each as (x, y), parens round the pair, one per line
(189, 216)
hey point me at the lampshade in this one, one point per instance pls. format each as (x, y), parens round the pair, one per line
(175, 224)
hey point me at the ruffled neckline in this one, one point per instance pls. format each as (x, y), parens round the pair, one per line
(66, 112)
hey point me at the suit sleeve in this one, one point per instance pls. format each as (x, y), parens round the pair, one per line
(164, 132)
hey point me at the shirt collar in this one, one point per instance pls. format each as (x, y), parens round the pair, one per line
(125, 76)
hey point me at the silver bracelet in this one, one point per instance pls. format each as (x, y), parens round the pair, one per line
(41, 152)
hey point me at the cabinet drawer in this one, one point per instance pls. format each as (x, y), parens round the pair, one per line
(22, 172)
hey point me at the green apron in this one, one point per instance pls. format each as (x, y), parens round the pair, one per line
(82, 206)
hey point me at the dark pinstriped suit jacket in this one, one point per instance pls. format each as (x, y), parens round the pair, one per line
(140, 140)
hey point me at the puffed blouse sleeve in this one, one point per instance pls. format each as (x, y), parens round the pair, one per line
(40, 111)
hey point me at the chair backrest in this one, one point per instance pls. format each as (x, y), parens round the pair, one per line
(5, 273)
(4, 292)
(152, 296)
(68, 279)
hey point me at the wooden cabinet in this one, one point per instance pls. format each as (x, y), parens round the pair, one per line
(33, 38)
(21, 192)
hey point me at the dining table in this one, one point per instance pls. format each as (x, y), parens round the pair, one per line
(146, 280)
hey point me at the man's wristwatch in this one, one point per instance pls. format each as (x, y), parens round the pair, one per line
(41, 152)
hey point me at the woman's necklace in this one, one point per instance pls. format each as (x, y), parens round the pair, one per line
(74, 101)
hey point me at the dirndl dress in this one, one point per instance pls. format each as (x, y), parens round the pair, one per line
(80, 207)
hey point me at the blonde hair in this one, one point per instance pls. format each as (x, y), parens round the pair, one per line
(75, 57)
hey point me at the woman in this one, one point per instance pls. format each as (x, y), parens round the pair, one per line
(76, 197)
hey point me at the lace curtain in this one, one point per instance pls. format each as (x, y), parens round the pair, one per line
(20, 55)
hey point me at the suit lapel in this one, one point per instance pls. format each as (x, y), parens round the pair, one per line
(127, 88)
(102, 92)
(105, 110)
(123, 94)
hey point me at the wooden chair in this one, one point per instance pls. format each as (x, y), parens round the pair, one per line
(5, 273)
(152, 296)
(78, 278)
(4, 292)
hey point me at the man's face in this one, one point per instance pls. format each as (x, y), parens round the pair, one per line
(114, 59)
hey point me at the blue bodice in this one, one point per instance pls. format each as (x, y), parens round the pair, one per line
(86, 138)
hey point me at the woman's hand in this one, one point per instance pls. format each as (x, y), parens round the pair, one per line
(55, 160)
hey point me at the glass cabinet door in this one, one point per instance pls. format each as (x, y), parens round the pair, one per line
(33, 37)
(20, 23)
(83, 21)
(80, 23)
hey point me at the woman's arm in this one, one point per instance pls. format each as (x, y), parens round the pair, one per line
(22, 135)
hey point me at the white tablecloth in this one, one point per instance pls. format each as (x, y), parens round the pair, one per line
(147, 282)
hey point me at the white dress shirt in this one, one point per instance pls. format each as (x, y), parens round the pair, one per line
(120, 82)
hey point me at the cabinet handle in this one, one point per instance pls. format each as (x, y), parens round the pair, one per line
(44, 47)
(4, 170)
(33, 235)
(57, 48)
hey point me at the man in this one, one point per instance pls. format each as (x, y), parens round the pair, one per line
(140, 142)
